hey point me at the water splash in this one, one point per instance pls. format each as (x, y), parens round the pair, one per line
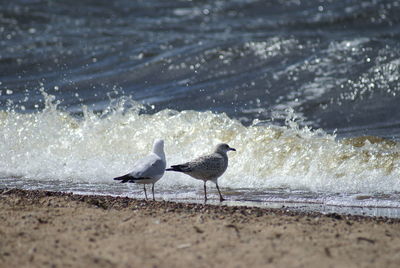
(53, 145)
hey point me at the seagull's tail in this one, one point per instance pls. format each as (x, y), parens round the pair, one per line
(125, 178)
(178, 168)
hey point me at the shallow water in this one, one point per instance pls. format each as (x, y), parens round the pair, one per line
(294, 86)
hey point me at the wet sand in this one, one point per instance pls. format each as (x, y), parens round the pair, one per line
(50, 229)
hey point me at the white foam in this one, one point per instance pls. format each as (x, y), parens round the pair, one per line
(53, 145)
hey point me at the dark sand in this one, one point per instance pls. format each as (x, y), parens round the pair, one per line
(49, 229)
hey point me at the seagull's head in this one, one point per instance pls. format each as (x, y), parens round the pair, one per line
(223, 148)
(158, 147)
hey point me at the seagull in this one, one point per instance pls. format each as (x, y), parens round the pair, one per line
(207, 168)
(149, 169)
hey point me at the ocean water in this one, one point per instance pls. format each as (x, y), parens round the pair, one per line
(306, 91)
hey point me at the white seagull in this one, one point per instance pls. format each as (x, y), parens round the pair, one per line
(149, 169)
(208, 167)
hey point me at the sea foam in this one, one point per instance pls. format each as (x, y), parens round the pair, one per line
(54, 145)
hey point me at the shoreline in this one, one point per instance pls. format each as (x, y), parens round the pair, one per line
(42, 228)
(122, 202)
(318, 206)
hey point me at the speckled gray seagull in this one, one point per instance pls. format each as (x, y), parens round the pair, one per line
(208, 167)
(149, 169)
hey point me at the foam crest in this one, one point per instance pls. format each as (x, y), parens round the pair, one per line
(54, 145)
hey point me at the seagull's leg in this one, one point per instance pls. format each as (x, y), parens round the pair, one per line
(205, 192)
(220, 195)
(145, 193)
(152, 189)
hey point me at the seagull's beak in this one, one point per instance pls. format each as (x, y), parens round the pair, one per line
(232, 149)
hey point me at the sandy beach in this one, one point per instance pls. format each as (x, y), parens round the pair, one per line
(51, 229)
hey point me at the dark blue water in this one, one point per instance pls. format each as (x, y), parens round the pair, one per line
(334, 62)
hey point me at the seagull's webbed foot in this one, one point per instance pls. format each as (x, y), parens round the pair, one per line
(220, 195)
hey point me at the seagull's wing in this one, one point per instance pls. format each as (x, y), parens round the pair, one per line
(213, 161)
(148, 167)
